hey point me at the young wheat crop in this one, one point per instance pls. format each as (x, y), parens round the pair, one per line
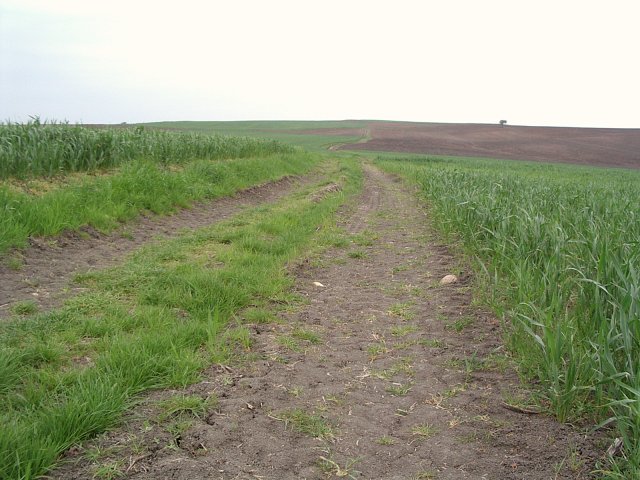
(46, 149)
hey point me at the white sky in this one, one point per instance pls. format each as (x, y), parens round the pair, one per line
(534, 62)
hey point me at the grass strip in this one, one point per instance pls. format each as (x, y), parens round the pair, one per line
(558, 248)
(154, 322)
(141, 185)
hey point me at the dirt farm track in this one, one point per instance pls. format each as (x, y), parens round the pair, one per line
(607, 147)
(316, 324)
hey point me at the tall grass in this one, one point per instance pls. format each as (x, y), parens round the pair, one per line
(46, 149)
(561, 247)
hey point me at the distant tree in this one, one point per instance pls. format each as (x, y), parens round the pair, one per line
(503, 123)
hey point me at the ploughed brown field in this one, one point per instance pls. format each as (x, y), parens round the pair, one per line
(607, 147)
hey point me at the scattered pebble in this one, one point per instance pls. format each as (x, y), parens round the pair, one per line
(318, 284)
(447, 279)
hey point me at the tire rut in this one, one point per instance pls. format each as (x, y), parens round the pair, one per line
(50, 264)
(370, 200)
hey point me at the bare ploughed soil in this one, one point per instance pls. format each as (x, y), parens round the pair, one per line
(399, 376)
(49, 264)
(606, 147)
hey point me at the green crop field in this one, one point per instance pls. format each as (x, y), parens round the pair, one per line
(290, 132)
(48, 149)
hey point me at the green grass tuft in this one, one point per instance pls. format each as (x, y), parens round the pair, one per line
(28, 307)
(190, 405)
(307, 423)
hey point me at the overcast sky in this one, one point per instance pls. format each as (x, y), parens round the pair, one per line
(531, 62)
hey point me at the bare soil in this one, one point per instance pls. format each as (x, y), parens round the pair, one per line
(606, 147)
(49, 265)
(409, 375)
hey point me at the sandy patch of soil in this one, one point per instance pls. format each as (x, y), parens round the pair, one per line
(399, 377)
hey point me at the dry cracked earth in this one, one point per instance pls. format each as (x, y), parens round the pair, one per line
(380, 373)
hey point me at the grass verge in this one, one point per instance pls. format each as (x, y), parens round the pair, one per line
(140, 185)
(154, 322)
